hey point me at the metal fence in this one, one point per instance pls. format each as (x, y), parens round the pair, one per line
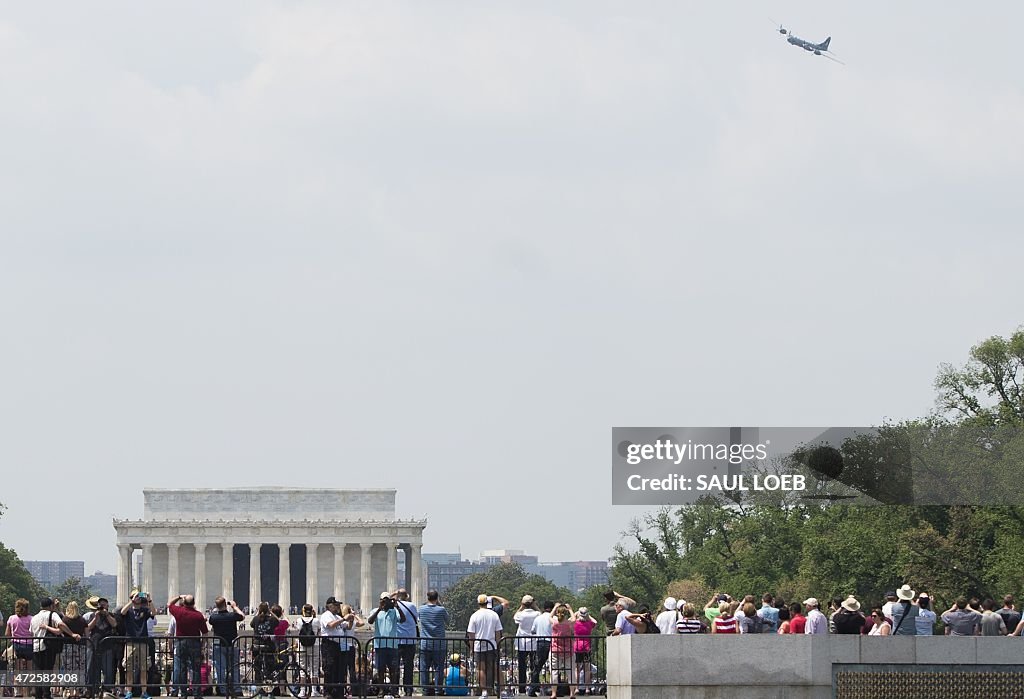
(337, 667)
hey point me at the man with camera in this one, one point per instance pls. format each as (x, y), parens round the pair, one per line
(385, 619)
(224, 622)
(136, 615)
(102, 626)
(190, 625)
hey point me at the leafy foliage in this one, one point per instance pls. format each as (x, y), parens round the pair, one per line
(971, 451)
(507, 580)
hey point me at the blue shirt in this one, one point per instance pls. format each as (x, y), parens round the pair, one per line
(407, 628)
(385, 629)
(455, 682)
(771, 615)
(433, 620)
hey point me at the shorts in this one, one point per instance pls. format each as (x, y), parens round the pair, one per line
(487, 659)
(23, 651)
(135, 652)
(385, 657)
(583, 656)
(561, 661)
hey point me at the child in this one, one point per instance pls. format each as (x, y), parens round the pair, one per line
(455, 679)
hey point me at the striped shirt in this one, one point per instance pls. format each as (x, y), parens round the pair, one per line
(685, 625)
(726, 625)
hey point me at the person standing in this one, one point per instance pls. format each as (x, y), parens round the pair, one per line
(224, 622)
(190, 626)
(484, 632)
(848, 620)
(542, 633)
(526, 644)
(925, 620)
(136, 615)
(407, 631)
(385, 619)
(666, 621)
(583, 627)
(433, 622)
(817, 623)
(46, 625)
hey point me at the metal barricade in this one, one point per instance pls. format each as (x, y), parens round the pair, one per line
(160, 665)
(532, 664)
(35, 667)
(286, 667)
(455, 666)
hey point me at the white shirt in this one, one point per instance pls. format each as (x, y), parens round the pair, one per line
(526, 619)
(666, 621)
(816, 623)
(486, 625)
(41, 619)
(542, 626)
(172, 627)
(887, 610)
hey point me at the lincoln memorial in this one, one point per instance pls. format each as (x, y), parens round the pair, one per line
(285, 545)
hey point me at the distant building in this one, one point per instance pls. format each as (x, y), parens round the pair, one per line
(103, 585)
(50, 574)
(446, 569)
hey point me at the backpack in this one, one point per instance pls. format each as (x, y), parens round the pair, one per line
(306, 636)
(53, 642)
(651, 626)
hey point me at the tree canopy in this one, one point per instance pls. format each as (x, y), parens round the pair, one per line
(15, 580)
(949, 524)
(507, 580)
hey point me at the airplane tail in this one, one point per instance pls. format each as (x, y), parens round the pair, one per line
(824, 45)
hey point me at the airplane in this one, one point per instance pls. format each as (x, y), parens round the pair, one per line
(817, 49)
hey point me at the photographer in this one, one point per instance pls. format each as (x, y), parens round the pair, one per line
(385, 619)
(136, 615)
(102, 626)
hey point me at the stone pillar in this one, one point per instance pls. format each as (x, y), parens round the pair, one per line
(124, 573)
(284, 578)
(200, 591)
(339, 572)
(312, 576)
(254, 577)
(392, 583)
(415, 563)
(227, 569)
(147, 573)
(365, 581)
(172, 571)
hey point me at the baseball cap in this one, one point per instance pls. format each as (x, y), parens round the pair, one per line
(811, 602)
(584, 612)
(385, 595)
(483, 599)
(527, 599)
(331, 600)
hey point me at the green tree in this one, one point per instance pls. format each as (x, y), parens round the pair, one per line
(72, 589)
(507, 580)
(15, 580)
(990, 387)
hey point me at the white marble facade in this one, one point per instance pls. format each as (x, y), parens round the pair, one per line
(211, 542)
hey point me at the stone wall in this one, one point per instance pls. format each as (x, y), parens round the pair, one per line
(769, 666)
(268, 504)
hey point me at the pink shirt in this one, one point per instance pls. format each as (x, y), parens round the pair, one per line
(583, 628)
(19, 626)
(560, 637)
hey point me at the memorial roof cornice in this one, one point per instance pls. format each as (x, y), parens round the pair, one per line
(273, 522)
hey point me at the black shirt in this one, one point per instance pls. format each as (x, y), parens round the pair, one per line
(135, 622)
(225, 624)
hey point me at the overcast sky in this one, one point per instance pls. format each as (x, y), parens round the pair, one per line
(445, 246)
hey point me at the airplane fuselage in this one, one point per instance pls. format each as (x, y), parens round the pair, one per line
(807, 45)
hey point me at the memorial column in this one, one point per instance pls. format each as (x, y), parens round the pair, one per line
(227, 569)
(416, 564)
(312, 576)
(339, 572)
(392, 583)
(172, 570)
(147, 571)
(254, 578)
(124, 572)
(365, 581)
(200, 592)
(284, 578)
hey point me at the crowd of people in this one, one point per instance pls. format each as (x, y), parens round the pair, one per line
(903, 613)
(114, 650)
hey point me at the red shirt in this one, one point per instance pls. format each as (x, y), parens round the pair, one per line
(725, 624)
(281, 629)
(189, 621)
(796, 624)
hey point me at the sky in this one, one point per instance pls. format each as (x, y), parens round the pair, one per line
(445, 247)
